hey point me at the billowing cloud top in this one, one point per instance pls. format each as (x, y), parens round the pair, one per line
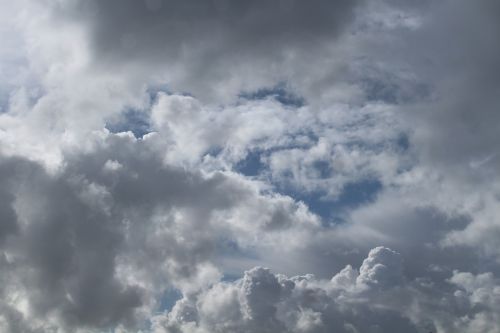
(262, 166)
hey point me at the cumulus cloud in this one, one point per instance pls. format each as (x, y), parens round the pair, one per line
(265, 302)
(97, 243)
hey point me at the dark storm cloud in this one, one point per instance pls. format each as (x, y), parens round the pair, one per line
(66, 236)
(8, 219)
(462, 48)
(454, 53)
(207, 47)
(64, 253)
(160, 29)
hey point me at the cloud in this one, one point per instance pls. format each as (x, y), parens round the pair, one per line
(382, 268)
(265, 302)
(350, 146)
(94, 244)
(374, 299)
(211, 47)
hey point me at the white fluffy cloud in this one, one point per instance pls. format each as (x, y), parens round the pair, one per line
(374, 299)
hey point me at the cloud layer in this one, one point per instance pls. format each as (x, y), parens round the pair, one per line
(232, 166)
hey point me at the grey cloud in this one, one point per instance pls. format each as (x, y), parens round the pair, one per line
(8, 219)
(73, 234)
(210, 46)
(419, 232)
(237, 23)
(455, 129)
(451, 51)
(460, 129)
(93, 245)
(63, 253)
(12, 320)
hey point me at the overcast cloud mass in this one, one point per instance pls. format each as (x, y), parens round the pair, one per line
(249, 166)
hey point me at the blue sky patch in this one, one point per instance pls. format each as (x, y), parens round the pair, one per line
(251, 165)
(131, 120)
(353, 195)
(169, 298)
(279, 93)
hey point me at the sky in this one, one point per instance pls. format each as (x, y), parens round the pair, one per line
(249, 166)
